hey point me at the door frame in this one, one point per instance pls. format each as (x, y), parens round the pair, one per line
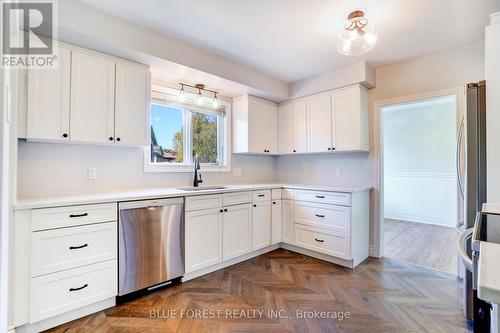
(378, 147)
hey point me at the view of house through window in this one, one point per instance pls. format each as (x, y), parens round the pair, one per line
(179, 134)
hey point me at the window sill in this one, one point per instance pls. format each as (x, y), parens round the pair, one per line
(185, 168)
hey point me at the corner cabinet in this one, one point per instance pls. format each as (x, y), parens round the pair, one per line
(255, 126)
(332, 121)
(89, 98)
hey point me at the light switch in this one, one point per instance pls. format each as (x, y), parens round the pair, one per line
(92, 173)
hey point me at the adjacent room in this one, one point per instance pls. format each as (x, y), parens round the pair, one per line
(421, 187)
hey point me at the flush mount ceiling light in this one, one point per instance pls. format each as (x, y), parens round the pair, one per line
(199, 96)
(358, 36)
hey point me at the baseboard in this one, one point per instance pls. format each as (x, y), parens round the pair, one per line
(66, 317)
(445, 222)
(203, 271)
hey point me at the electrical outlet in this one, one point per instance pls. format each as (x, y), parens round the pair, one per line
(338, 172)
(237, 172)
(92, 173)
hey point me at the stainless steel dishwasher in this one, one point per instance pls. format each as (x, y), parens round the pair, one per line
(150, 243)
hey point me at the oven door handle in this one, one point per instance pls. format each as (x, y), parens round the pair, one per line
(462, 248)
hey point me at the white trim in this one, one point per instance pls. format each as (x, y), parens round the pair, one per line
(442, 221)
(378, 193)
(420, 174)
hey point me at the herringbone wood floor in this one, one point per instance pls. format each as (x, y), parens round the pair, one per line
(381, 295)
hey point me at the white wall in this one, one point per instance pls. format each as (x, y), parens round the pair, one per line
(52, 168)
(420, 183)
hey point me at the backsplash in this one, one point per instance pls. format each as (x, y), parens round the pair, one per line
(61, 168)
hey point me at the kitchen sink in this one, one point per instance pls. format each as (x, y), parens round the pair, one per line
(202, 188)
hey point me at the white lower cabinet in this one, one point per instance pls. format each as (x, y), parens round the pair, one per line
(276, 232)
(237, 231)
(57, 293)
(261, 225)
(326, 241)
(287, 217)
(203, 238)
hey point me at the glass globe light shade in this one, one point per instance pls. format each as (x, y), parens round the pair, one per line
(358, 37)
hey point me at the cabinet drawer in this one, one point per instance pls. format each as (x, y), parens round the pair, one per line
(59, 217)
(203, 202)
(337, 198)
(68, 290)
(264, 195)
(60, 249)
(326, 216)
(328, 242)
(236, 198)
(288, 194)
(276, 193)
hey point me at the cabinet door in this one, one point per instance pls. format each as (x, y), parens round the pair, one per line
(300, 126)
(276, 222)
(350, 120)
(261, 225)
(92, 98)
(203, 239)
(285, 129)
(256, 126)
(48, 101)
(132, 104)
(287, 218)
(319, 124)
(237, 231)
(272, 129)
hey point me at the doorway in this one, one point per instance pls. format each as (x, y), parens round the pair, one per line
(421, 202)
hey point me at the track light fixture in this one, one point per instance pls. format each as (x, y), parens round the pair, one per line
(199, 98)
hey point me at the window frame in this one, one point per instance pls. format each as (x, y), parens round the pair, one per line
(166, 96)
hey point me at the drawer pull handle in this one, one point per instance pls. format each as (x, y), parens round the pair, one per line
(261, 195)
(319, 240)
(319, 215)
(78, 247)
(320, 196)
(79, 288)
(78, 215)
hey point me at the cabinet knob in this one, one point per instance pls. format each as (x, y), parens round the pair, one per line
(110, 138)
(65, 135)
(255, 205)
(274, 202)
(333, 148)
(225, 209)
(294, 151)
(221, 210)
(117, 139)
(329, 148)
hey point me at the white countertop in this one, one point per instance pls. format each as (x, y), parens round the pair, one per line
(53, 200)
(488, 287)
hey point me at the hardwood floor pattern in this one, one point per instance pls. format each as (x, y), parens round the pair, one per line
(382, 295)
(427, 245)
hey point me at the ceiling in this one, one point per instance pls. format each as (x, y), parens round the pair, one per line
(296, 39)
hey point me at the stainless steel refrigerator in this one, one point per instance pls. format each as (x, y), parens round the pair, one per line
(472, 177)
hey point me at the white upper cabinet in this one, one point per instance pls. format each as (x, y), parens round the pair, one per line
(48, 101)
(285, 129)
(255, 128)
(271, 128)
(132, 104)
(89, 98)
(350, 119)
(300, 126)
(92, 98)
(325, 122)
(319, 124)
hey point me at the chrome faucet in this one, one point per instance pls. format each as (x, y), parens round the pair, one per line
(197, 177)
